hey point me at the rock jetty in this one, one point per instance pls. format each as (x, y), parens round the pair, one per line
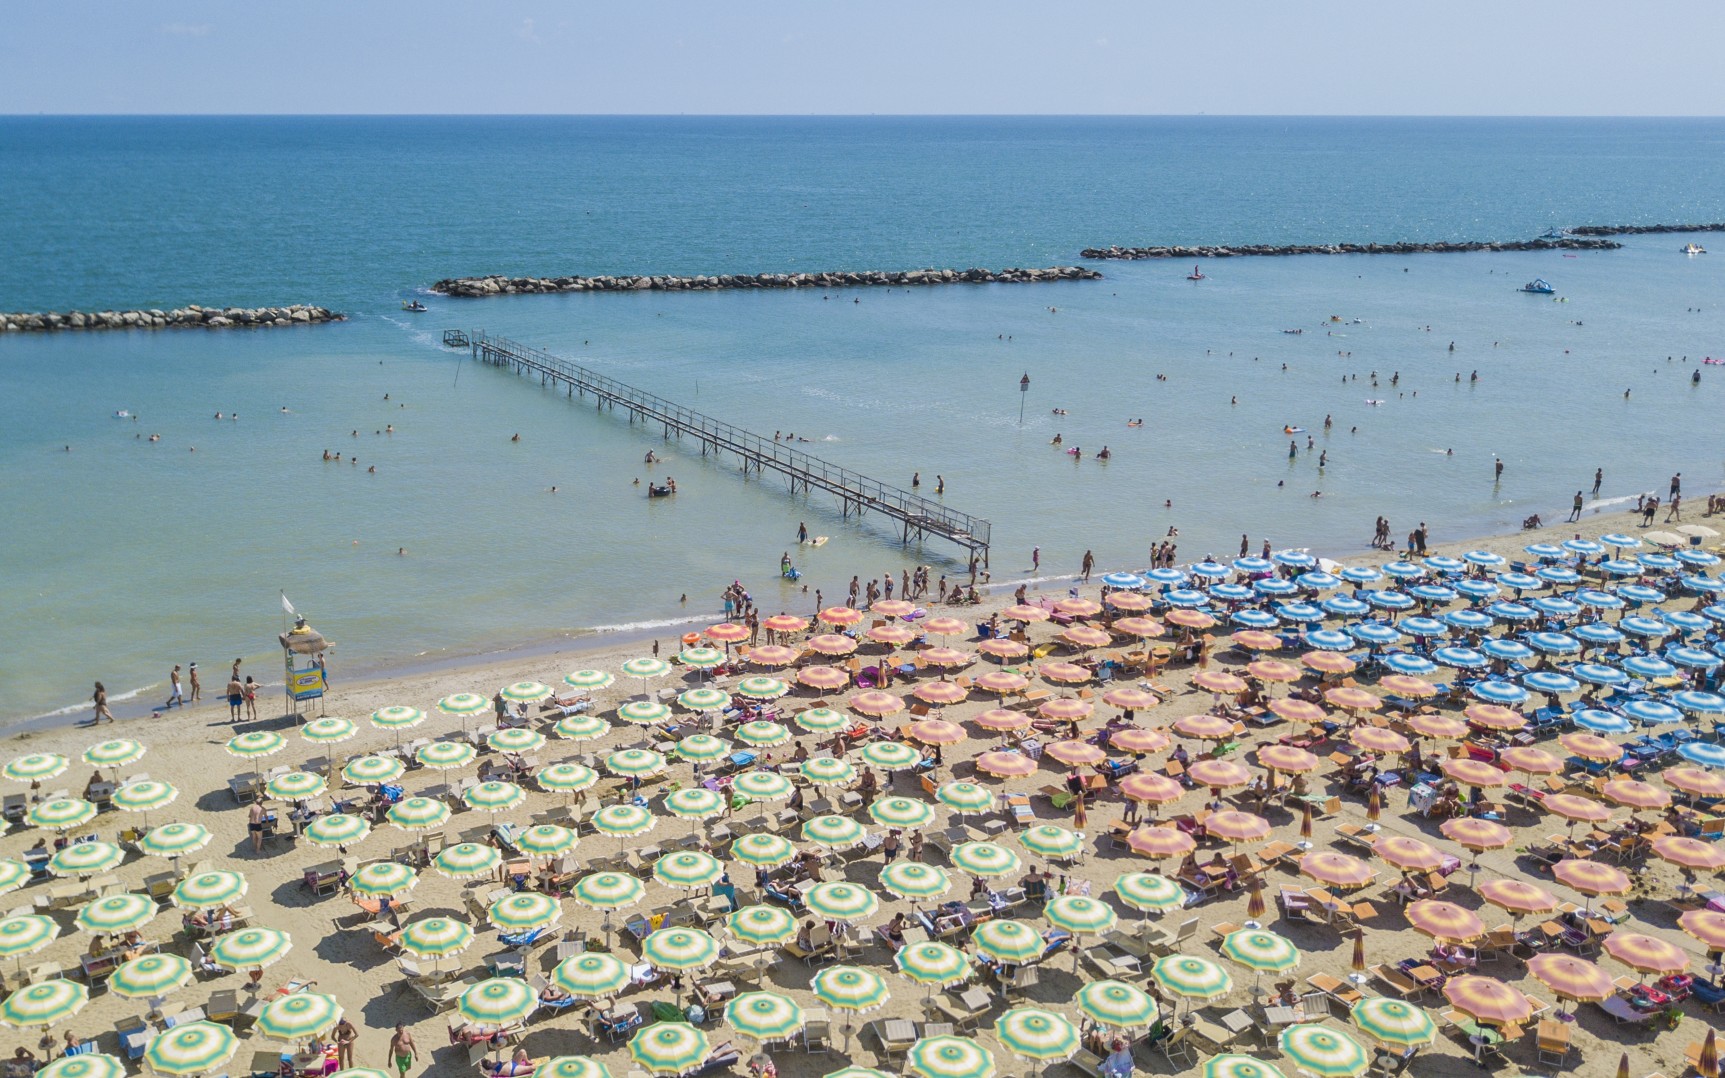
(472, 287)
(1265, 250)
(193, 317)
(1641, 230)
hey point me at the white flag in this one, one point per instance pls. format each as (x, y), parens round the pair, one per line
(287, 605)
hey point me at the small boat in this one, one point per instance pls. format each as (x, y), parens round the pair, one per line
(1538, 286)
(1555, 234)
(1694, 249)
(1195, 275)
(412, 305)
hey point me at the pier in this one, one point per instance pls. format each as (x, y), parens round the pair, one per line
(913, 516)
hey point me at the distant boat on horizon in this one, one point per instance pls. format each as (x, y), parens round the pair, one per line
(1538, 286)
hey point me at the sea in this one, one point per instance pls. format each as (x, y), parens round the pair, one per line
(123, 555)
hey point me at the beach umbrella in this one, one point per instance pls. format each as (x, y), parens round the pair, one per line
(25, 934)
(1036, 1034)
(1601, 722)
(643, 712)
(1476, 773)
(301, 1015)
(764, 1016)
(436, 937)
(1703, 753)
(115, 753)
(1217, 681)
(679, 949)
(1493, 717)
(1651, 711)
(144, 795)
(1699, 703)
(1691, 780)
(1336, 869)
(700, 748)
(62, 814)
(850, 988)
(1409, 854)
(1003, 648)
(494, 796)
(1326, 662)
(936, 731)
(1116, 1004)
(581, 727)
(838, 901)
(762, 850)
(192, 1048)
(86, 1065)
(499, 1001)
(1645, 954)
(949, 1057)
(36, 767)
(997, 719)
(383, 879)
(823, 677)
(545, 840)
(635, 763)
(1160, 842)
(468, 860)
(694, 803)
(1007, 941)
(566, 778)
(515, 739)
(875, 703)
(952, 657)
(608, 891)
(762, 786)
(336, 829)
(296, 786)
(1591, 877)
(646, 668)
(444, 755)
(891, 635)
(622, 821)
(762, 733)
(1690, 853)
(1146, 892)
(1256, 639)
(911, 879)
(43, 1003)
(1322, 1051)
(901, 812)
(704, 699)
(932, 963)
(766, 925)
(1516, 896)
(1591, 747)
(821, 720)
(418, 814)
(985, 859)
(1190, 977)
(174, 839)
(1375, 739)
(1260, 951)
(1635, 795)
(1137, 740)
(250, 948)
(1002, 682)
(701, 658)
(1653, 668)
(373, 770)
(150, 976)
(1393, 1022)
(1231, 825)
(86, 858)
(669, 1048)
(1287, 758)
(591, 975)
(207, 890)
(594, 680)
(13, 875)
(1444, 920)
(1079, 914)
(1051, 841)
(1576, 809)
(1075, 753)
(1706, 925)
(688, 869)
(1571, 978)
(964, 797)
(891, 755)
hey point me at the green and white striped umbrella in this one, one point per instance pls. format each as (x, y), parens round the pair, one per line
(62, 813)
(546, 840)
(932, 963)
(1260, 951)
(891, 755)
(525, 692)
(680, 948)
(145, 795)
(827, 771)
(256, 744)
(581, 727)
(566, 778)
(609, 890)
(964, 797)
(623, 821)
(762, 850)
(444, 755)
(92, 1065)
(1238, 1066)
(913, 879)
(694, 803)
(984, 859)
(13, 875)
(1192, 977)
(328, 730)
(1116, 1003)
(117, 913)
(1012, 942)
(336, 829)
(901, 812)
(635, 763)
(174, 839)
(669, 1048)
(418, 814)
(524, 911)
(688, 869)
(44, 1003)
(949, 1057)
(498, 1001)
(762, 688)
(762, 734)
(372, 770)
(208, 890)
(36, 767)
(856, 1072)
(403, 718)
(1322, 1051)
(761, 786)
(1148, 892)
(851, 988)
(26, 934)
(296, 786)
(194, 1048)
(571, 1067)
(822, 720)
(837, 832)
(701, 658)
(361, 1072)
(116, 753)
(1393, 1022)
(1051, 841)
(646, 668)
(592, 975)
(590, 679)
(837, 901)
(516, 739)
(436, 937)
(703, 747)
(1079, 915)
(86, 859)
(764, 1016)
(150, 976)
(1036, 1034)
(462, 703)
(494, 796)
(301, 1015)
(251, 948)
(704, 699)
(383, 879)
(762, 924)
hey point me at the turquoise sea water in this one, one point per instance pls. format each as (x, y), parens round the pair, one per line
(123, 556)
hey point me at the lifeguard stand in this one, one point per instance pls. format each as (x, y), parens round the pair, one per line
(305, 682)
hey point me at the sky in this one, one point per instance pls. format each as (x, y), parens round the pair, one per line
(948, 57)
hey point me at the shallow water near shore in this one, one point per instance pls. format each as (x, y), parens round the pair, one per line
(125, 556)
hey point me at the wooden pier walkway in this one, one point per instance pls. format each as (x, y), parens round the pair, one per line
(914, 517)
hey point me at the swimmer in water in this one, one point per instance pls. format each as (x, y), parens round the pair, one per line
(515, 438)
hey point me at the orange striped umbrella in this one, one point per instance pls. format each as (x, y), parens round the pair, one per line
(1438, 726)
(1233, 826)
(1473, 773)
(774, 655)
(1693, 780)
(837, 615)
(1128, 600)
(1151, 788)
(1576, 809)
(1592, 747)
(1405, 685)
(892, 608)
(945, 656)
(1494, 717)
(1002, 648)
(1591, 877)
(1024, 612)
(891, 634)
(1571, 977)
(1219, 681)
(1002, 720)
(1689, 852)
(1065, 673)
(1337, 869)
(940, 692)
(1078, 608)
(1635, 795)
(1142, 628)
(875, 702)
(1444, 920)
(1256, 640)
(1065, 708)
(1352, 699)
(1005, 764)
(1328, 662)
(1137, 740)
(832, 644)
(937, 732)
(1517, 896)
(1287, 758)
(1211, 727)
(1530, 761)
(1707, 1063)
(1297, 710)
(1086, 636)
(1001, 681)
(1076, 753)
(1273, 670)
(945, 626)
(785, 623)
(1255, 905)
(1646, 954)
(1377, 739)
(1486, 999)
(1220, 774)
(1161, 842)
(823, 677)
(1129, 698)
(1190, 619)
(1477, 834)
(1708, 926)
(1408, 853)
(728, 632)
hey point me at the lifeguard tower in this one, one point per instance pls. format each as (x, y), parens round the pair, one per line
(302, 653)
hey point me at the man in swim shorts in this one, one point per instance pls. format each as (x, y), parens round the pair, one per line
(402, 1050)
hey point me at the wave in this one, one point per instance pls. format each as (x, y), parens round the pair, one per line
(415, 333)
(85, 705)
(664, 623)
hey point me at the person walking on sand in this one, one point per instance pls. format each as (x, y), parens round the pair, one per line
(1676, 510)
(402, 1051)
(251, 694)
(175, 695)
(1575, 507)
(345, 1038)
(197, 685)
(1088, 564)
(236, 695)
(100, 699)
(255, 824)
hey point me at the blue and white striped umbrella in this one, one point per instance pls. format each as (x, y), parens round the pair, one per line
(1477, 589)
(1602, 722)
(1275, 588)
(1297, 559)
(1345, 606)
(1471, 620)
(1403, 662)
(1544, 550)
(1253, 618)
(1621, 541)
(1125, 581)
(1553, 643)
(1404, 570)
(1648, 666)
(1433, 593)
(1621, 567)
(1520, 581)
(1716, 612)
(1652, 712)
(1582, 546)
(1694, 658)
(1640, 626)
(1390, 600)
(1599, 600)
(1684, 621)
(1658, 561)
(1165, 576)
(1329, 640)
(1556, 607)
(1641, 593)
(1559, 574)
(1506, 693)
(1699, 703)
(1599, 674)
(1185, 597)
(1420, 626)
(1375, 632)
(1696, 557)
(1501, 648)
(1705, 753)
(1511, 611)
(1596, 632)
(1231, 593)
(1550, 681)
(1254, 565)
(1299, 612)
(1444, 564)
(1318, 581)
(1704, 583)
(1360, 574)
(1463, 658)
(1209, 569)
(1483, 557)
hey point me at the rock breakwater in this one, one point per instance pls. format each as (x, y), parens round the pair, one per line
(497, 285)
(193, 317)
(1270, 250)
(1642, 230)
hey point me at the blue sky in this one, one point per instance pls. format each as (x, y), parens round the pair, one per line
(1458, 57)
